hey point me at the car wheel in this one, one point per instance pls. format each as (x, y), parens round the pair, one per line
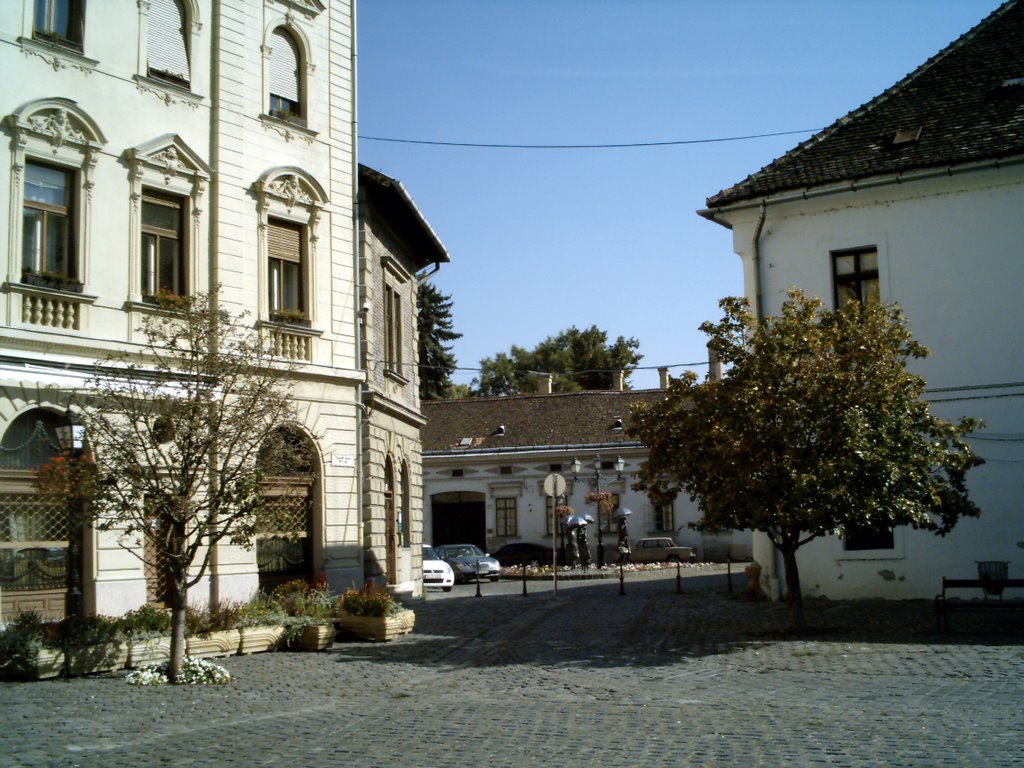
(495, 578)
(446, 589)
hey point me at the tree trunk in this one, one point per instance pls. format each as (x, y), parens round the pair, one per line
(794, 595)
(179, 602)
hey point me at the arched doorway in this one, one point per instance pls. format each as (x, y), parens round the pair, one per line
(459, 517)
(390, 522)
(33, 526)
(285, 539)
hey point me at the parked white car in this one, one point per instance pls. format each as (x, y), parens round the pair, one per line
(436, 572)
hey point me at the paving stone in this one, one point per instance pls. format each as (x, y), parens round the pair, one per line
(654, 678)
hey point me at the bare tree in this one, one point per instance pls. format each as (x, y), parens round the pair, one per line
(184, 435)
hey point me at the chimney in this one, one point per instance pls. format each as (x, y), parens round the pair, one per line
(714, 366)
(619, 381)
(663, 378)
(544, 383)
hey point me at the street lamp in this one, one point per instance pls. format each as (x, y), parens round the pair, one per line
(72, 442)
(577, 467)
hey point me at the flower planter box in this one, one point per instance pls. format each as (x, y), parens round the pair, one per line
(223, 643)
(261, 639)
(378, 628)
(54, 283)
(82, 660)
(153, 650)
(316, 637)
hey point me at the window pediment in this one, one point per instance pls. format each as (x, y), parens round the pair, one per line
(291, 187)
(169, 156)
(58, 122)
(309, 8)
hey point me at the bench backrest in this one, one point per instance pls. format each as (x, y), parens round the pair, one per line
(979, 583)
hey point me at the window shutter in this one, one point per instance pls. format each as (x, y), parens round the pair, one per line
(284, 66)
(167, 50)
(284, 242)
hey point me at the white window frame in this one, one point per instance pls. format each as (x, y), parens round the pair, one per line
(307, 83)
(198, 63)
(57, 133)
(167, 167)
(291, 195)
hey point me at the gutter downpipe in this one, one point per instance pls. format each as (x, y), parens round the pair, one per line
(212, 242)
(776, 585)
(358, 289)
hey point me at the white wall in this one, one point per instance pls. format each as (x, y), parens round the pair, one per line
(949, 251)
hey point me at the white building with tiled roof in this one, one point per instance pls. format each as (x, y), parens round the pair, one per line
(914, 198)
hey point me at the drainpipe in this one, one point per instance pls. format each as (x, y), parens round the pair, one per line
(776, 583)
(212, 250)
(357, 309)
(434, 269)
(756, 253)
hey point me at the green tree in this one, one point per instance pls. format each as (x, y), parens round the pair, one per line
(577, 359)
(184, 435)
(436, 332)
(816, 425)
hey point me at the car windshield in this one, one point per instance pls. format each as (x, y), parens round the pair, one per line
(463, 550)
(430, 554)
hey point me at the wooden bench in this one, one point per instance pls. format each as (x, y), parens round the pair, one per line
(992, 601)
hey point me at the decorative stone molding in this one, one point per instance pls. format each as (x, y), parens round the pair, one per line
(56, 56)
(167, 93)
(167, 165)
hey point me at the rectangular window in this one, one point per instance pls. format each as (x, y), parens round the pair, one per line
(167, 42)
(505, 516)
(48, 221)
(392, 329)
(855, 276)
(664, 517)
(286, 270)
(860, 538)
(163, 247)
(59, 21)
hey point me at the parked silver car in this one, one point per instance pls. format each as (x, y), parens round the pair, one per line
(469, 562)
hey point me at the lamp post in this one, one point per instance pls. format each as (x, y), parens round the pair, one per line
(577, 467)
(72, 441)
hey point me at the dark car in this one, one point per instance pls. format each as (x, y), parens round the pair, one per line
(523, 553)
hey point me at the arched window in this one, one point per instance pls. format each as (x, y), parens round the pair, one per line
(390, 521)
(167, 42)
(285, 78)
(33, 527)
(284, 540)
(405, 515)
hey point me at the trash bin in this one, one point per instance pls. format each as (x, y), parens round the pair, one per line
(992, 570)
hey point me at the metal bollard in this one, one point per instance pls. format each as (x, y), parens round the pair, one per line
(478, 578)
(524, 580)
(728, 566)
(679, 578)
(622, 583)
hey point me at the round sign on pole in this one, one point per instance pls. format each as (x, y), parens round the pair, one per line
(554, 484)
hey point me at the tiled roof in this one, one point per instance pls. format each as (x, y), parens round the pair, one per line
(577, 418)
(967, 101)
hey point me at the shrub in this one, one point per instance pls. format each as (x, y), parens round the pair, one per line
(201, 621)
(145, 622)
(369, 601)
(261, 611)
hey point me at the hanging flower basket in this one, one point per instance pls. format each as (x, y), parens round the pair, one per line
(67, 477)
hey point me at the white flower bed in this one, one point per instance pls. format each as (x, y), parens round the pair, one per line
(193, 672)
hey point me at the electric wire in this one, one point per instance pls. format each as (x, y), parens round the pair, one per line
(622, 145)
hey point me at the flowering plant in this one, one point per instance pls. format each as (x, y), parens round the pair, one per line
(193, 672)
(369, 601)
(64, 476)
(564, 509)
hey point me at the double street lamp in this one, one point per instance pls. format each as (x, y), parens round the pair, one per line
(577, 468)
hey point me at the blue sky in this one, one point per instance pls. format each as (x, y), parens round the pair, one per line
(541, 240)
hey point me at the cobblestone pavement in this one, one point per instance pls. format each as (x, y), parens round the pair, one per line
(653, 678)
